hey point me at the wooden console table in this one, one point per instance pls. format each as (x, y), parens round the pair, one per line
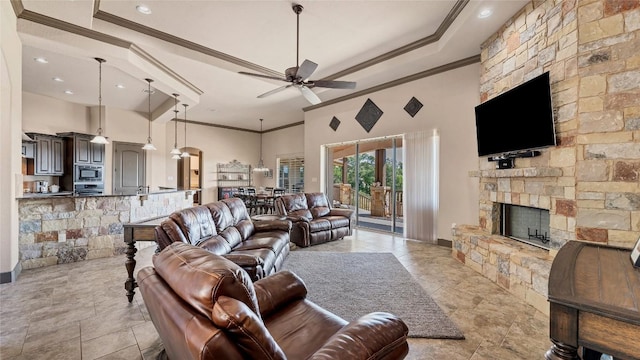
(138, 231)
(594, 293)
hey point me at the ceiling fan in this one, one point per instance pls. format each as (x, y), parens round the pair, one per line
(297, 76)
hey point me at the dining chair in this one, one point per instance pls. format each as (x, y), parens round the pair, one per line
(271, 200)
(250, 202)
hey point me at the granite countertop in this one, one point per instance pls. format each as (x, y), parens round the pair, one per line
(67, 194)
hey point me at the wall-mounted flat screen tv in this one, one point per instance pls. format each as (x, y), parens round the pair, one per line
(520, 119)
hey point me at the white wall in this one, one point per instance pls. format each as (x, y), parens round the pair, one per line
(276, 144)
(449, 99)
(10, 140)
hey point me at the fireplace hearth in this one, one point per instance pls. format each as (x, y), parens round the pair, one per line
(526, 224)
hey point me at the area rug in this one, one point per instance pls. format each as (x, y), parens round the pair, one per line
(354, 284)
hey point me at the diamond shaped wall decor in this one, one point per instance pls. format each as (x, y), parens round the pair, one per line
(369, 115)
(413, 106)
(334, 123)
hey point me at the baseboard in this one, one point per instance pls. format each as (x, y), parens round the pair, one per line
(11, 276)
(445, 243)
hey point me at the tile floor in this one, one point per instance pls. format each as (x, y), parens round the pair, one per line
(80, 311)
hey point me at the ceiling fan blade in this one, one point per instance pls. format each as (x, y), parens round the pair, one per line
(306, 69)
(271, 92)
(262, 76)
(309, 95)
(333, 84)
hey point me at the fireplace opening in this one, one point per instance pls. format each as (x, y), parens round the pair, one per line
(526, 224)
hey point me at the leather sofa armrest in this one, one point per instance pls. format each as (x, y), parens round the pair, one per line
(253, 265)
(297, 218)
(377, 335)
(269, 225)
(277, 290)
(244, 259)
(342, 212)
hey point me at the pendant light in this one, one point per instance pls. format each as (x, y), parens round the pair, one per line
(175, 152)
(99, 139)
(149, 145)
(185, 153)
(260, 167)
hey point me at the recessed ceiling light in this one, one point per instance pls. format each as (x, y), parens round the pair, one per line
(143, 9)
(58, 79)
(68, 92)
(146, 91)
(41, 60)
(212, 109)
(120, 86)
(485, 13)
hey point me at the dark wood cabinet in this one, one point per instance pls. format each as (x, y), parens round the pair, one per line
(87, 152)
(49, 155)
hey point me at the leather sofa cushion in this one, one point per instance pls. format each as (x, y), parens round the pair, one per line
(196, 223)
(221, 215)
(266, 240)
(305, 213)
(200, 278)
(238, 209)
(316, 225)
(337, 221)
(318, 204)
(216, 245)
(246, 329)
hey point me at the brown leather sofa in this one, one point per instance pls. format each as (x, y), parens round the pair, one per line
(313, 220)
(225, 228)
(205, 307)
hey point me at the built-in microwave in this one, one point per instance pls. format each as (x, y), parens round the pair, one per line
(88, 173)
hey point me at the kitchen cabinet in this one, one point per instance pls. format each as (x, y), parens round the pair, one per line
(28, 150)
(49, 155)
(87, 152)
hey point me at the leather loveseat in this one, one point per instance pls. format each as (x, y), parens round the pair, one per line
(206, 307)
(225, 228)
(313, 220)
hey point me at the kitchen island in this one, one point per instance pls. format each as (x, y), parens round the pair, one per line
(57, 228)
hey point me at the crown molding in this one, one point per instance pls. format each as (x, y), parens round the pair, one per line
(430, 72)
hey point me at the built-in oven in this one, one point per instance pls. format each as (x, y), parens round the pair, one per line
(89, 189)
(88, 174)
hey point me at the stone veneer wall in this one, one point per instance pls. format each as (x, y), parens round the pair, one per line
(58, 230)
(590, 182)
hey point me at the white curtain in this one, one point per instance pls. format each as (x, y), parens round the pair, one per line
(421, 185)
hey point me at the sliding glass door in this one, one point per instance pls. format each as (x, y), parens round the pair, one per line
(367, 177)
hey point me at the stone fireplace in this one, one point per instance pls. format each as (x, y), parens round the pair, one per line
(589, 181)
(526, 224)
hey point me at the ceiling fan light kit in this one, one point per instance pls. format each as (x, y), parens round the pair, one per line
(298, 75)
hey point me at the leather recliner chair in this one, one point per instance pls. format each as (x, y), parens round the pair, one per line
(206, 307)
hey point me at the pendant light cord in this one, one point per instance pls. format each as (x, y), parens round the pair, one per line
(185, 126)
(175, 122)
(261, 140)
(149, 93)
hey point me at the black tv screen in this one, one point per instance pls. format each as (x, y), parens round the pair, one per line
(518, 120)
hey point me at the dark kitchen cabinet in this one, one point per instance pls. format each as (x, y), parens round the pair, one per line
(49, 155)
(87, 152)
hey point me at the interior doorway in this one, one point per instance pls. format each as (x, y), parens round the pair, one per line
(190, 173)
(129, 161)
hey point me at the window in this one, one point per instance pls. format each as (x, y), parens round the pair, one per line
(291, 174)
